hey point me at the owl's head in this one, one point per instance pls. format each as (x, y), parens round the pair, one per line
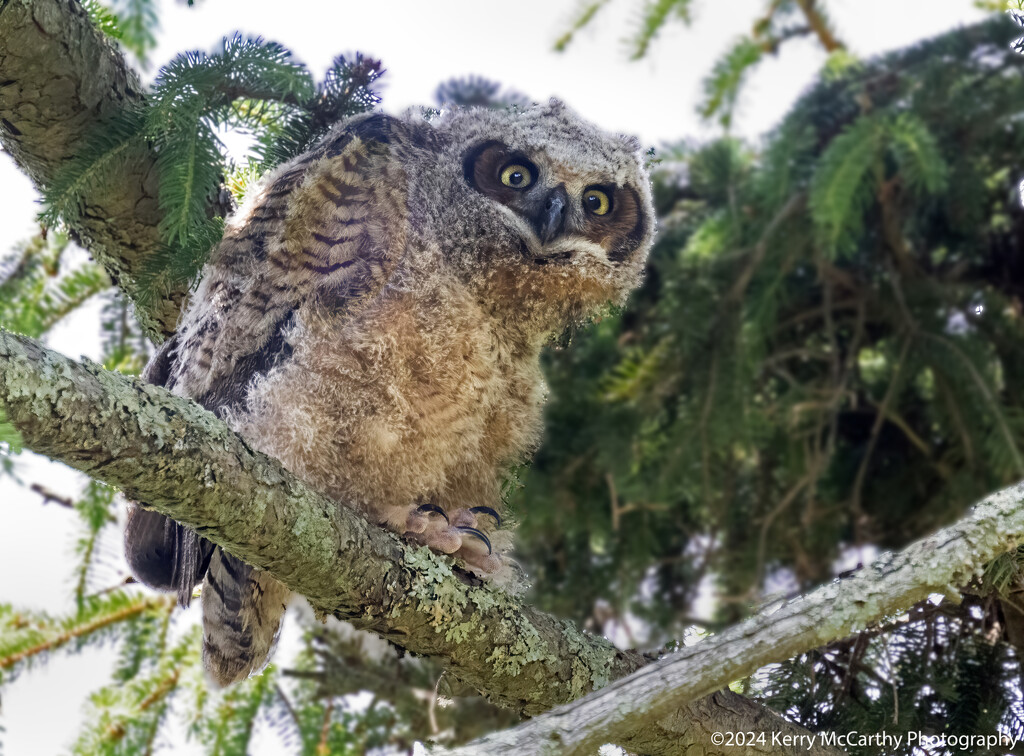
(545, 216)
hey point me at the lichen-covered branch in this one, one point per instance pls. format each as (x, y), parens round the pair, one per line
(182, 461)
(59, 78)
(939, 564)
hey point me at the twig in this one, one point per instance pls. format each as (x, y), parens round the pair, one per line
(322, 748)
(820, 26)
(67, 636)
(49, 496)
(883, 409)
(287, 705)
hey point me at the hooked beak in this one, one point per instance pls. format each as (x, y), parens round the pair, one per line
(551, 218)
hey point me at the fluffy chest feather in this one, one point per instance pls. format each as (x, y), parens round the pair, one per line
(417, 397)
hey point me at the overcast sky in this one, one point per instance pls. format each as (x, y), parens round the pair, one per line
(421, 43)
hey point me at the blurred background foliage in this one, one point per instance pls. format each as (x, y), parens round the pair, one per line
(824, 361)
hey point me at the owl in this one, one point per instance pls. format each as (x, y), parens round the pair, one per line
(374, 318)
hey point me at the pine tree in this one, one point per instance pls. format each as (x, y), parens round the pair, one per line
(820, 364)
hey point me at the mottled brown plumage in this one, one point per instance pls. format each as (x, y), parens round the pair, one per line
(374, 318)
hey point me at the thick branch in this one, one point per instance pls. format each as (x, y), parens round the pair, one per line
(59, 78)
(941, 563)
(182, 461)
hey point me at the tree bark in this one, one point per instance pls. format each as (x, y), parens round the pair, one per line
(939, 564)
(182, 461)
(59, 79)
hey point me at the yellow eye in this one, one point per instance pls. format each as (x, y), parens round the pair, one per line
(596, 201)
(516, 176)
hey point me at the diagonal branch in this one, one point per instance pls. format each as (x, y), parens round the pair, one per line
(819, 24)
(939, 564)
(182, 461)
(59, 79)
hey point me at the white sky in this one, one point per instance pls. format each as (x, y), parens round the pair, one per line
(422, 44)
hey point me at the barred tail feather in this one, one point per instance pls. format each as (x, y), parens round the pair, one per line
(242, 611)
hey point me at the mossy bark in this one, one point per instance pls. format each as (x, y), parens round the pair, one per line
(182, 461)
(939, 564)
(59, 79)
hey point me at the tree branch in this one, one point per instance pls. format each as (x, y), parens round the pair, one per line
(820, 26)
(182, 461)
(941, 563)
(59, 79)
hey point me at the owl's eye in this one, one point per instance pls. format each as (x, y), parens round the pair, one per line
(516, 175)
(597, 201)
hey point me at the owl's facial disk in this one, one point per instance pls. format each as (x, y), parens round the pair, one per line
(555, 209)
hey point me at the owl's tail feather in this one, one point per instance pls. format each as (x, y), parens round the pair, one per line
(163, 554)
(242, 611)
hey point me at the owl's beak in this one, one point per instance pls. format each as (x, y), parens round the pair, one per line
(551, 218)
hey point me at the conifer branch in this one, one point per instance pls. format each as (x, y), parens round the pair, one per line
(61, 78)
(132, 174)
(819, 24)
(583, 17)
(59, 634)
(124, 717)
(938, 564)
(182, 461)
(160, 692)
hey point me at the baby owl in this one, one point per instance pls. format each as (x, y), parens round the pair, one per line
(373, 318)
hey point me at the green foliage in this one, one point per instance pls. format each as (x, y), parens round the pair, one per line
(782, 20)
(652, 17)
(819, 361)
(123, 719)
(226, 727)
(248, 84)
(125, 347)
(172, 266)
(133, 23)
(136, 22)
(584, 15)
(34, 291)
(10, 444)
(103, 18)
(96, 163)
(29, 638)
(936, 672)
(853, 173)
(846, 180)
(722, 85)
(347, 89)
(824, 358)
(95, 508)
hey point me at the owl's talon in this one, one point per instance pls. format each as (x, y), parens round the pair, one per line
(488, 511)
(433, 509)
(466, 530)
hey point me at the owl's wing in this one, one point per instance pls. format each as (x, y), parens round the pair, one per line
(324, 230)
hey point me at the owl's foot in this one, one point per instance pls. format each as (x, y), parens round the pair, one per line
(465, 533)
